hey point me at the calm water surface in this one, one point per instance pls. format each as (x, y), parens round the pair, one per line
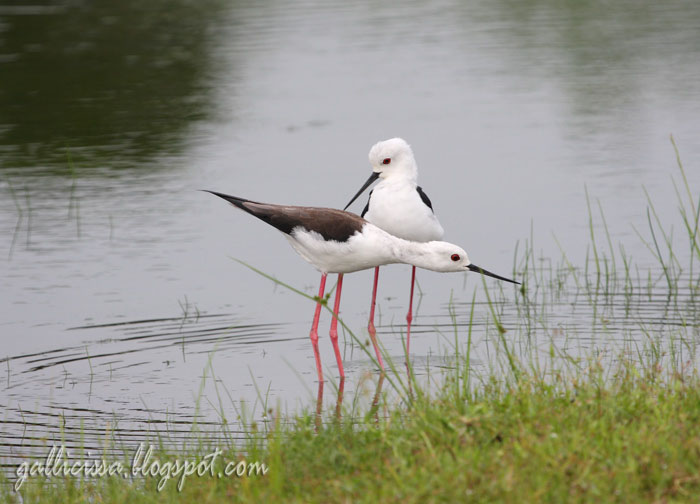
(119, 295)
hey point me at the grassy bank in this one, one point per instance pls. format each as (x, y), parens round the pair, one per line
(625, 437)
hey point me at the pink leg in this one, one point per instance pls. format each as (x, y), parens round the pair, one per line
(314, 328)
(375, 400)
(339, 404)
(409, 315)
(370, 327)
(334, 326)
(319, 406)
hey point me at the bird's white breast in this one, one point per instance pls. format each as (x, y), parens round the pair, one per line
(397, 208)
(369, 248)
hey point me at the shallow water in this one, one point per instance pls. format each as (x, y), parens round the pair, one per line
(117, 280)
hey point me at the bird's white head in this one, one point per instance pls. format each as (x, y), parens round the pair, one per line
(393, 158)
(443, 257)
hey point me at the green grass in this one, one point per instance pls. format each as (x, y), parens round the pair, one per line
(527, 443)
(628, 437)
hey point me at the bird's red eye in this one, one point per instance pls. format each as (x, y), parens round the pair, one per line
(386, 161)
(455, 257)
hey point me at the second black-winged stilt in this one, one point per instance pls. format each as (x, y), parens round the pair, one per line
(400, 207)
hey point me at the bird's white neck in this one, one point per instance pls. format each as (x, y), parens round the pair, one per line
(419, 254)
(415, 253)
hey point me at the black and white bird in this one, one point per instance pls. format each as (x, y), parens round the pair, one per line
(400, 207)
(335, 241)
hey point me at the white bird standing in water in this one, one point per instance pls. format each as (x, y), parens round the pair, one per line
(335, 241)
(400, 207)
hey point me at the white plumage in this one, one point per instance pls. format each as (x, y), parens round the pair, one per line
(374, 247)
(395, 204)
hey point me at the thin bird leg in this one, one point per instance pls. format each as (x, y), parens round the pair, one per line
(409, 315)
(314, 328)
(375, 401)
(319, 406)
(334, 326)
(339, 403)
(370, 327)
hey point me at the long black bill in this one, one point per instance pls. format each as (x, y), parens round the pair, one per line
(474, 267)
(372, 178)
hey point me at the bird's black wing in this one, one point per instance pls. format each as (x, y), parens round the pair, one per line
(364, 211)
(425, 199)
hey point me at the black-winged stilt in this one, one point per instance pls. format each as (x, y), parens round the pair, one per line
(400, 207)
(335, 241)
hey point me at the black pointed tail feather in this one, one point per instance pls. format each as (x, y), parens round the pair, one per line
(281, 217)
(256, 211)
(262, 214)
(234, 200)
(474, 267)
